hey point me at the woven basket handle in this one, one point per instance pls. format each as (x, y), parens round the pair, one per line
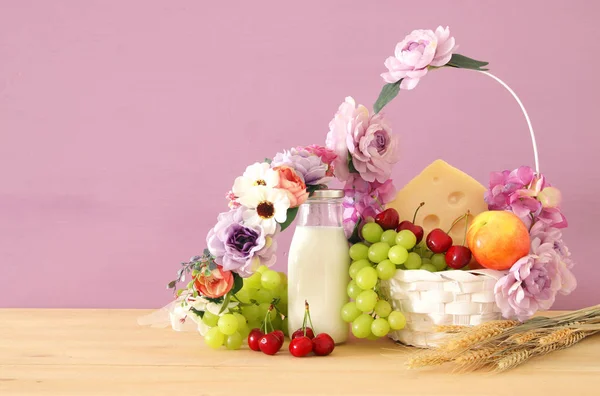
(531, 133)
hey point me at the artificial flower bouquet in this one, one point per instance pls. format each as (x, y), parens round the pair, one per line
(408, 271)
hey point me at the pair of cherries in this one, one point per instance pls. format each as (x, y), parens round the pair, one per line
(268, 344)
(304, 342)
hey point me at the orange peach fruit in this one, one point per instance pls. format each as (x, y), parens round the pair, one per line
(498, 239)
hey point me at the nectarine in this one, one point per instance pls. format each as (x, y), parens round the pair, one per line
(498, 239)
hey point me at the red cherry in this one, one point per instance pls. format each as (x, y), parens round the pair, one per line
(254, 338)
(458, 256)
(269, 344)
(323, 344)
(300, 333)
(438, 241)
(388, 219)
(300, 346)
(415, 229)
(280, 336)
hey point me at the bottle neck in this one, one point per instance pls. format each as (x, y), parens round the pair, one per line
(321, 213)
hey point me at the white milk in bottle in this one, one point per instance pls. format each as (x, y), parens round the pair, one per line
(318, 266)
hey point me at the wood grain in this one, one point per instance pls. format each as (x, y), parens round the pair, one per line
(105, 352)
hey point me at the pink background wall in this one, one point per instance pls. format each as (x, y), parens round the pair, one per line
(123, 123)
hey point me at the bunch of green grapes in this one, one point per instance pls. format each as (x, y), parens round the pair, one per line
(260, 290)
(374, 260)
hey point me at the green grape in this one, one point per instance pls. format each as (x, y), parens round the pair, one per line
(372, 337)
(254, 324)
(210, 319)
(353, 290)
(401, 267)
(262, 269)
(386, 270)
(228, 324)
(428, 267)
(284, 327)
(439, 261)
(251, 312)
(278, 291)
(366, 278)
(357, 266)
(284, 278)
(398, 254)
(406, 239)
(425, 260)
(350, 312)
(380, 327)
(361, 327)
(270, 280)
(396, 320)
(214, 338)
(277, 322)
(366, 301)
(245, 331)
(358, 251)
(413, 261)
(263, 296)
(378, 252)
(263, 308)
(242, 322)
(371, 232)
(383, 308)
(234, 341)
(253, 281)
(389, 237)
(243, 295)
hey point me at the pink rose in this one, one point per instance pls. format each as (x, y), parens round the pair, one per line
(413, 55)
(367, 139)
(326, 155)
(215, 283)
(292, 184)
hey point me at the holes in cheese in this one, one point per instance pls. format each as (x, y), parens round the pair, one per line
(447, 192)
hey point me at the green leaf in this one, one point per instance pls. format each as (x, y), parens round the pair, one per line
(351, 167)
(238, 282)
(172, 284)
(388, 92)
(268, 160)
(291, 215)
(217, 300)
(313, 188)
(197, 312)
(179, 292)
(225, 303)
(463, 62)
(355, 238)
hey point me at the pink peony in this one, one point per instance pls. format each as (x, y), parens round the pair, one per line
(530, 285)
(413, 55)
(541, 233)
(368, 140)
(293, 184)
(326, 155)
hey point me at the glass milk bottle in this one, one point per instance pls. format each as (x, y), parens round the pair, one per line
(318, 265)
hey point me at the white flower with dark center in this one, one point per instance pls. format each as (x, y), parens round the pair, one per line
(258, 174)
(266, 207)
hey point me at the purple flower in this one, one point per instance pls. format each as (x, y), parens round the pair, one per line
(530, 285)
(364, 199)
(309, 166)
(238, 247)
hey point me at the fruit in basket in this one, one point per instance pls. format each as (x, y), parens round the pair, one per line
(361, 327)
(498, 239)
(388, 219)
(357, 266)
(397, 254)
(358, 251)
(366, 278)
(458, 257)
(385, 270)
(378, 252)
(371, 232)
(351, 312)
(438, 241)
(417, 230)
(439, 261)
(413, 261)
(396, 320)
(389, 237)
(406, 239)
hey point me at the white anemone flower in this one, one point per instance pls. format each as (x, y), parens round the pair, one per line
(258, 174)
(266, 207)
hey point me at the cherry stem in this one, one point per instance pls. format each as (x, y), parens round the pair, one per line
(466, 227)
(455, 222)
(268, 320)
(416, 211)
(307, 313)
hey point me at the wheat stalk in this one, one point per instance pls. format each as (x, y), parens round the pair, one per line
(523, 338)
(555, 336)
(480, 334)
(513, 359)
(428, 359)
(477, 356)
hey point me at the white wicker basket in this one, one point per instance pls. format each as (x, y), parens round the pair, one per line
(429, 299)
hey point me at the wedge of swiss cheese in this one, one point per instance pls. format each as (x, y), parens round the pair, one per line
(447, 192)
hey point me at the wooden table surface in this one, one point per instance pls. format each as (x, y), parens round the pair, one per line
(105, 352)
